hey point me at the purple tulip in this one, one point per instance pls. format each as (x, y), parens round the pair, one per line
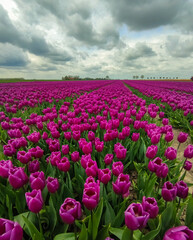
(150, 205)
(169, 191)
(99, 146)
(179, 233)
(65, 149)
(122, 184)
(136, 217)
(161, 114)
(24, 157)
(70, 210)
(104, 175)
(36, 152)
(187, 165)
(182, 137)
(34, 166)
(121, 153)
(188, 152)
(135, 137)
(17, 177)
(9, 150)
(162, 171)
(91, 168)
(117, 168)
(75, 156)
(169, 136)
(87, 148)
(155, 138)
(90, 182)
(34, 137)
(34, 200)
(10, 230)
(91, 197)
(171, 153)
(108, 159)
(52, 184)
(63, 164)
(91, 136)
(5, 165)
(37, 180)
(165, 121)
(151, 151)
(182, 189)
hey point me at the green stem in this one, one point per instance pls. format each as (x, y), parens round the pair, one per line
(91, 212)
(75, 232)
(40, 225)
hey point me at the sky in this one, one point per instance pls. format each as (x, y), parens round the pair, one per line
(48, 39)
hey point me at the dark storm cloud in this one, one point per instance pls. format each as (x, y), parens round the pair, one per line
(140, 50)
(147, 14)
(11, 56)
(34, 43)
(178, 47)
(83, 31)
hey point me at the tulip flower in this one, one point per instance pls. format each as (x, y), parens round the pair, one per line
(91, 197)
(37, 180)
(34, 200)
(122, 184)
(182, 189)
(24, 157)
(187, 165)
(188, 152)
(104, 175)
(182, 137)
(169, 191)
(63, 164)
(5, 165)
(34, 166)
(65, 149)
(150, 205)
(52, 184)
(117, 168)
(151, 151)
(75, 156)
(171, 153)
(10, 230)
(91, 168)
(70, 210)
(17, 177)
(135, 137)
(108, 159)
(136, 217)
(177, 233)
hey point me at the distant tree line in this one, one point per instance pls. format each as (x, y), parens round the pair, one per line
(75, 78)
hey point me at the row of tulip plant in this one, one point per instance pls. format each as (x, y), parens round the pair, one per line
(177, 104)
(87, 160)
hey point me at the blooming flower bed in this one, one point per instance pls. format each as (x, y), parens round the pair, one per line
(68, 154)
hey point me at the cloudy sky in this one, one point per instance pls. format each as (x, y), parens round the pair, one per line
(95, 38)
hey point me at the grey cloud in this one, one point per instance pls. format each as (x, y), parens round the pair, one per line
(11, 56)
(147, 14)
(34, 43)
(141, 50)
(178, 47)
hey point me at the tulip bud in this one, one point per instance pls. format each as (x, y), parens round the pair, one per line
(169, 191)
(177, 233)
(10, 230)
(34, 200)
(150, 205)
(182, 189)
(52, 184)
(136, 217)
(70, 210)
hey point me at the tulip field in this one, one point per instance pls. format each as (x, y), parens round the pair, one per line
(96, 160)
